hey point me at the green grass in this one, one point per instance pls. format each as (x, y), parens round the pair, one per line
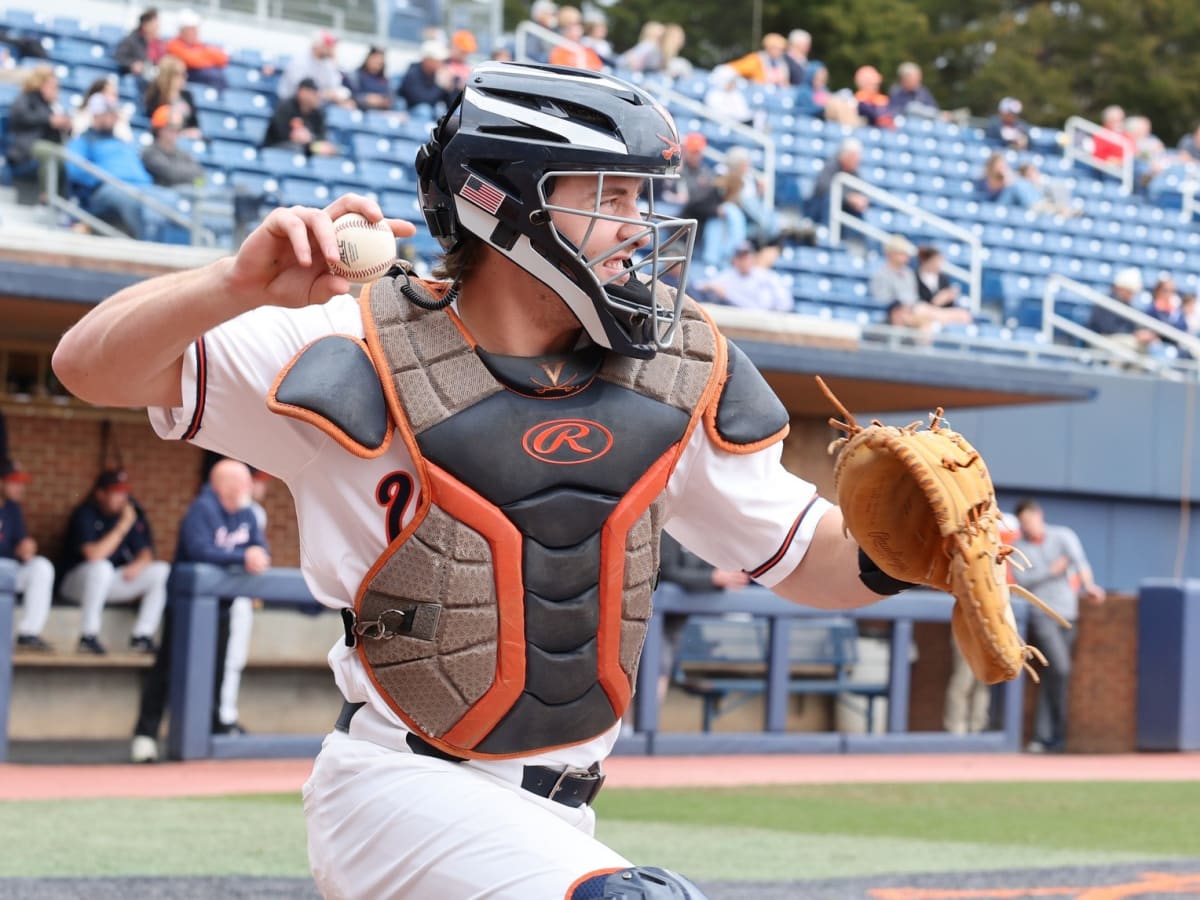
(776, 833)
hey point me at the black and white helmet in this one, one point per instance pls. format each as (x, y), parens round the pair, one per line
(490, 167)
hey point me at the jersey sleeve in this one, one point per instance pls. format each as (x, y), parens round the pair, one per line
(227, 374)
(742, 511)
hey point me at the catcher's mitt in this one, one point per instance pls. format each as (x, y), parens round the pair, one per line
(921, 504)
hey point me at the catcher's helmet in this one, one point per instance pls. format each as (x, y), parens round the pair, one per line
(490, 166)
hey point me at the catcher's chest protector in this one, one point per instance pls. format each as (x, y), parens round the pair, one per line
(508, 616)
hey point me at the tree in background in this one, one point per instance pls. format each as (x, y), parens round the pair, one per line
(1061, 58)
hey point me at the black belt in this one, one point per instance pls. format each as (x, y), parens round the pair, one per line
(573, 788)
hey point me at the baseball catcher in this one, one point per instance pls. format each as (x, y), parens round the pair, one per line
(920, 504)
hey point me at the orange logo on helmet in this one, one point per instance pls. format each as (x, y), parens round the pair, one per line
(567, 442)
(672, 151)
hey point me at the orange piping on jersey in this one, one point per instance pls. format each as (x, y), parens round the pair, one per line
(379, 358)
(595, 873)
(316, 419)
(472, 510)
(612, 574)
(787, 542)
(201, 390)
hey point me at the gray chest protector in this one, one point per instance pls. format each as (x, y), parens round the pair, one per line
(507, 617)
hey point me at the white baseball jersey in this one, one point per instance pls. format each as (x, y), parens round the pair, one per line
(736, 511)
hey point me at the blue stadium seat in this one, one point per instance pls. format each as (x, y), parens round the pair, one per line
(235, 155)
(284, 163)
(226, 127)
(384, 175)
(299, 191)
(244, 103)
(401, 205)
(332, 168)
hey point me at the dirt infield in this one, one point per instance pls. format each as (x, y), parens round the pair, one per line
(207, 778)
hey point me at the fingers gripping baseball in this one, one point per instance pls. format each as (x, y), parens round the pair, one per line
(287, 260)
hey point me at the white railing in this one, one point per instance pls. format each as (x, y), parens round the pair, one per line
(1082, 150)
(840, 219)
(1053, 321)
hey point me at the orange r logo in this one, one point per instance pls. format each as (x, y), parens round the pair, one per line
(567, 442)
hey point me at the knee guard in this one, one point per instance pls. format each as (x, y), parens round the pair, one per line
(637, 883)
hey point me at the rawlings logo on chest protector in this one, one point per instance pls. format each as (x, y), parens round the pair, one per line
(567, 442)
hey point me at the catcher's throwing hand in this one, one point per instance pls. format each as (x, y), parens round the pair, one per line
(921, 505)
(285, 260)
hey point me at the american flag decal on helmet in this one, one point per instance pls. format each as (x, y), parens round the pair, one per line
(482, 194)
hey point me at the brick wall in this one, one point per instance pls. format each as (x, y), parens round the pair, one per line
(61, 447)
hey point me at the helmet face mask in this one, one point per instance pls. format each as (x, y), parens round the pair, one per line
(491, 168)
(659, 247)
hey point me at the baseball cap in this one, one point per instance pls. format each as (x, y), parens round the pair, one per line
(743, 248)
(188, 19)
(99, 104)
(433, 50)
(1128, 279)
(162, 118)
(463, 41)
(308, 83)
(325, 39)
(113, 480)
(694, 141)
(10, 470)
(1011, 106)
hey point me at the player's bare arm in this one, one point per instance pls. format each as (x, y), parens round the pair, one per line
(828, 576)
(128, 350)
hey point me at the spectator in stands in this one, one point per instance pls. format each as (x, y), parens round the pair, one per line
(425, 87)
(1113, 146)
(1189, 146)
(847, 159)
(118, 158)
(141, 49)
(812, 97)
(1126, 287)
(168, 163)
(205, 62)
(169, 88)
(219, 528)
(766, 66)
(1149, 154)
(35, 115)
(369, 84)
(933, 285)
(1165, 303)
(799, 45)
(677, 565)
(646, 54)
(298, 123)
(575, 55)
(320, 66)
(595, 25)
(458, 66)
(1032, 190)
(726, 229)
(35, 574)
(671, 45)
(725, 96)
(81, 121)
(545, 14)
(896, 285)
(873, 104)
(909, 96)
(108, 557)
(748, 284)
(1189, 312)
(996, 183)
(1007, 127)
(761, 223)
(1055, 557)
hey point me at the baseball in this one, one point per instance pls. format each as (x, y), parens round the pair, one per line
(367, 249)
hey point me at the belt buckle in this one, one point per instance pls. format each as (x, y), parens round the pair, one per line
(592, 775)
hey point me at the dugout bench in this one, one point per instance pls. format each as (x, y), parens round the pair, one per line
(723, 661)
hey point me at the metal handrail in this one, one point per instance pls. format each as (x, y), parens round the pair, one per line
(839, 219)
(1079, 153)
(1052, 321)
(45, 151)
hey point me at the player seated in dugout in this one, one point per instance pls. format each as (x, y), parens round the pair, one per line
(495, 507)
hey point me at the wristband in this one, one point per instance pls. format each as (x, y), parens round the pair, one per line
(878, 580)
